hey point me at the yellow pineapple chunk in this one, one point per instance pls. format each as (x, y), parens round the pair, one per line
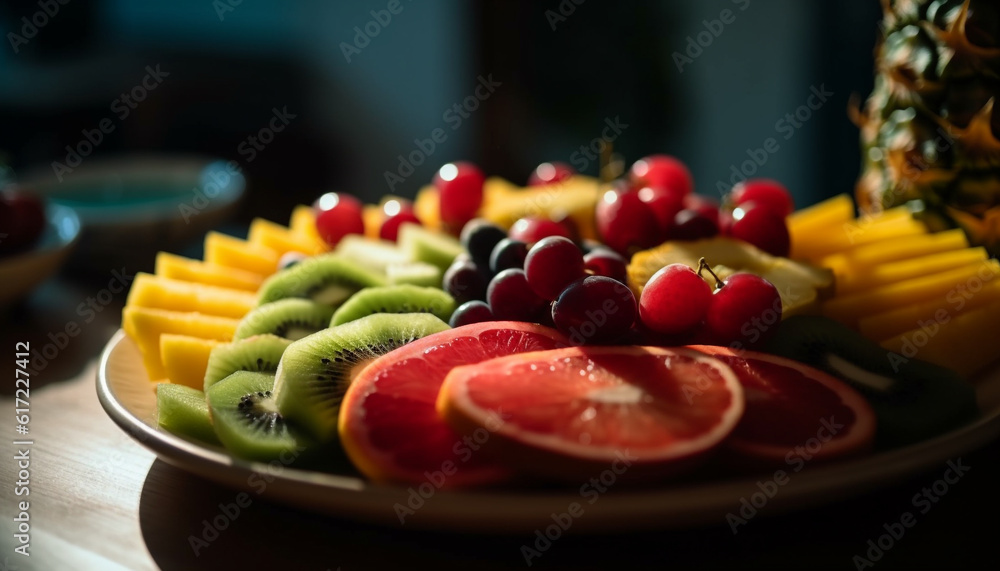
(964, 343)
(863, 258)
(145, 326)
(185, 358)
(575, 198)
(232, 252)
(849, 309)
(303, 222)
(964, 297)
(890, 224)
(427, 208)
(281, 239)
(883, 274)
(373, 218)
(808, 225)
(176, 295)
(185, 269)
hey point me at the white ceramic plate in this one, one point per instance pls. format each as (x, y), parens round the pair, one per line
(128, 397)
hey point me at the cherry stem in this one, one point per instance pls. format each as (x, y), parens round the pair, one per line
(703, 265)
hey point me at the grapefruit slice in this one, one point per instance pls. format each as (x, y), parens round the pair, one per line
(571, 413)
(794, 413)
(389, 426)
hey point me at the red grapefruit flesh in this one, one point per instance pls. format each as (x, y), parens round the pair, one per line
(794, 413)
(571, 413)
(388, 422)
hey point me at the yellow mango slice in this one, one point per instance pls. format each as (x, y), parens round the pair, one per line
(185, 358)
(849, 309)
(965, 343)
(185, 269)
(968, 296)
(281, 239)
(882, 274)
(805, 226)
(232, 252)
(303, 221)
(866, 230)
(145, 326)
(176, 295)
(863, 258)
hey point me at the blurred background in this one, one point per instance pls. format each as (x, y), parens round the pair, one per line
(311, 96)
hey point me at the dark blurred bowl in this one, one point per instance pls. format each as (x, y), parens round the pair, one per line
(21, 272)
(130, 207)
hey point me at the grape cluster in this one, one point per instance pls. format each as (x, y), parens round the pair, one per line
(536, 273)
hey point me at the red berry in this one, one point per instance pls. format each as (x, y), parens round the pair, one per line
(626, 223)
(606, 262)
(662, 171)
(511, 298)
(744, 310)
(395, 212)
(531, 229)
(552, 264)
(693, 225)
(768, 193)
(550, 173)
(761, 227)
(707, 207)
(337, 215)
(460, 192)
(675, 300)
(665, 205)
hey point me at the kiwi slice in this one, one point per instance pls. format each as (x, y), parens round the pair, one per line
(289, 318)
(414, 273)
(247, 421)
(395, 299)
(913, 400)
(258, 353)
(183, 411)
(328, 279)
(315, 371)
(429, 246)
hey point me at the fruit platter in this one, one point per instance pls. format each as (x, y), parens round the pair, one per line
(604, 353)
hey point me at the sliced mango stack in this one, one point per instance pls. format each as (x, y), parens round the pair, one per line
(187, 307)
(911, 291)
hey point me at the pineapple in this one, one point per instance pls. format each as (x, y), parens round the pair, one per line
(929, 134)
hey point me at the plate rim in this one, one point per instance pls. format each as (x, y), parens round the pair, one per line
(518, 511)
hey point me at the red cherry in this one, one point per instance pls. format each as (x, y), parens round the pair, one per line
(665, 205)
(460, 193)
(675, 300)
(337, 215)
(662, 171)
(762, 227)
(531, 229)
(744, 310)
(692, 225)
(768, 193)
(704, 205)
(394, 213)
(626, 223)
(605, 262)
(550, 173)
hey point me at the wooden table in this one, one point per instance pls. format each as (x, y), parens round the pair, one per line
(98, 500)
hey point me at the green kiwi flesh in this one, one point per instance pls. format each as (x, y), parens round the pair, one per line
(289, 318)
(183, 411)
(395, 299)
(258, 353)
(247, 421)
(328, 279)
(414, 273)
(913, 400)
(316, 371)
(423, 245)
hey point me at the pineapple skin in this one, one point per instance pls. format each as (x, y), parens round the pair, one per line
(929, 134)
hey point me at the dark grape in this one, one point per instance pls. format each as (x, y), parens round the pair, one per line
(595, 310)
(510, 297)
(474, 311)
(507, 254)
